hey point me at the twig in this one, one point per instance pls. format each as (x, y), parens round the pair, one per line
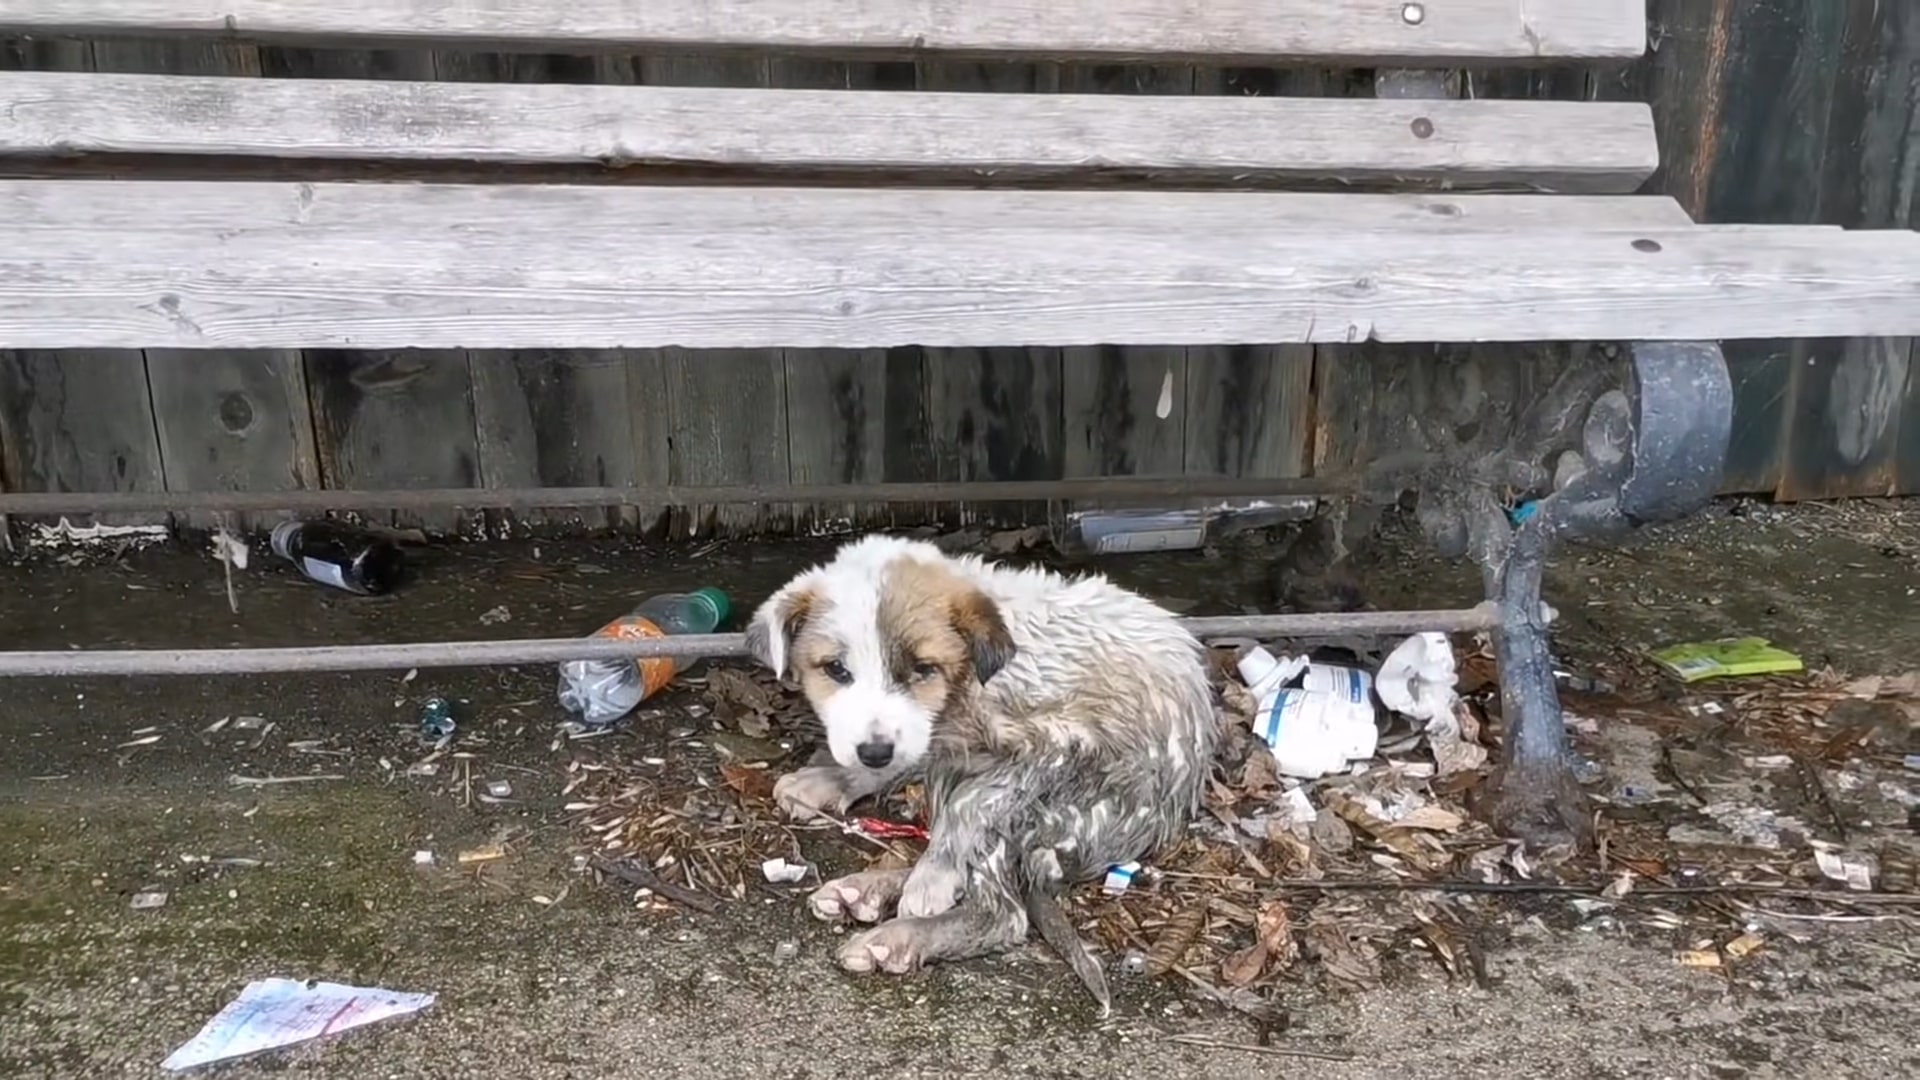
(1811, 776)
(1538, 888)
(268, 781)
(641, 877)
(1206, 1043)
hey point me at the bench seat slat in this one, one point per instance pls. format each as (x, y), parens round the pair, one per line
(1548, 145)
(1455, 30)
(281, 265)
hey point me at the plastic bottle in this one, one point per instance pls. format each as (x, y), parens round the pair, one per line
(598, 692)
(334, 553)
(1314, 717)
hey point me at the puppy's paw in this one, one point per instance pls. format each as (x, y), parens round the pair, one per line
(895, 948)
(932, 888)
(865, 897)
(812, 791)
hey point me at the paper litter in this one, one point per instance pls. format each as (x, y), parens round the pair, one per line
(273, 1013)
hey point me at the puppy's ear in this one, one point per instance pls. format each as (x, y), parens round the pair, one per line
(978, 621)
(778, 621)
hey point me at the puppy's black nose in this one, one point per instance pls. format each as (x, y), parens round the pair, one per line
(874, 755)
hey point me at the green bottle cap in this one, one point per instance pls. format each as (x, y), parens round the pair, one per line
(721, 605)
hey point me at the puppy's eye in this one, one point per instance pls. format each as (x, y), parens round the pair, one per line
(837, 671)
(923, 671)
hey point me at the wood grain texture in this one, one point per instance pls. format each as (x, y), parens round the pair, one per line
(209, 265)
(995, 414)
(729, 416)
(79, 420)
(396, 420)
(1549, 145)
(1847, 398)
(232, 421)
(548, 419)
(857, 416)
(1112, 400)
(1250, 410)
(1258, 29)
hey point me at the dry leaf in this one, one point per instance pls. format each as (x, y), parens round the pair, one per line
(1261, 777)
(1432, 818)
(1347, 962)
(1244, 966)
(1746, 943)
(1179, 934)
(1275, 928)
(1699, 958)
(749, 783)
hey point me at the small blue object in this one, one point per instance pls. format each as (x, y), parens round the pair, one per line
(436, 720)
(1519, 514)
(1120, 878)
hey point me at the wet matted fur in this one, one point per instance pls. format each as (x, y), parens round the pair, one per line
(1061, 726)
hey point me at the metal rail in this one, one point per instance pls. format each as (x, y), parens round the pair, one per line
(445, 654)
(30, 503)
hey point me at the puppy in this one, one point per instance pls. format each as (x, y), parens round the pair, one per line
(1060, 726)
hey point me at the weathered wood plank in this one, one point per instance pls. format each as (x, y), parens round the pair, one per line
(1848, 395)
(232, 421)
(547, 419)
(729, 412)
(79, 420)
(1742, 91)
(235, 265)
(396, 420)
(1262, 30)
(650, 407)
(1250, 410)
(996, 415)
(1551, 145)
(1125, 410)
(858, 416)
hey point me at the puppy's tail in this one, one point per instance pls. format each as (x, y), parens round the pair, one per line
(1048, 915)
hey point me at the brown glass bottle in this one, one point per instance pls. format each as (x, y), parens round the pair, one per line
(340, 555)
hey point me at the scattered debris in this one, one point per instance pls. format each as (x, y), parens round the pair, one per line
(644, 878)
(436, 721)
(274, 1013)
(423, 858)
(144, 740)
(1698, 958)
(496, 615)
(1853, 869)
(347, 557)
(273, 781)
(1315, 718)
(486, 853)
(1695, 661)
(1273, 947)
(782, 872)
(149, 900)
(499, 789)
(1120, 878)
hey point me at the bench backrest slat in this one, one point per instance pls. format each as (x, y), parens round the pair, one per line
(1402, 30)
(1543, 145)
(286, 265)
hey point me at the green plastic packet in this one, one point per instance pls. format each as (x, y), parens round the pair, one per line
(1695, 661)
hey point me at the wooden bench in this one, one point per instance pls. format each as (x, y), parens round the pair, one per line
(653, 216)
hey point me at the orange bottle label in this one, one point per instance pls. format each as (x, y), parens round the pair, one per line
(655, 672)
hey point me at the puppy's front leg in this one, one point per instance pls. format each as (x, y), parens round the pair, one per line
(825, 787)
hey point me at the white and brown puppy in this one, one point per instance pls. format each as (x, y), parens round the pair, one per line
(1061, 726)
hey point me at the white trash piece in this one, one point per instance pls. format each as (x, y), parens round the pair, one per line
(1418, 681)
(1314, 717)
(1418, 678)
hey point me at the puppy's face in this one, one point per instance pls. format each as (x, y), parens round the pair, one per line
(882, 651)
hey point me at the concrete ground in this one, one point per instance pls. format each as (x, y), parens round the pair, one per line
(587, 985)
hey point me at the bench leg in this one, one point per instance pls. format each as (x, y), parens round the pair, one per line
(1653, 452)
